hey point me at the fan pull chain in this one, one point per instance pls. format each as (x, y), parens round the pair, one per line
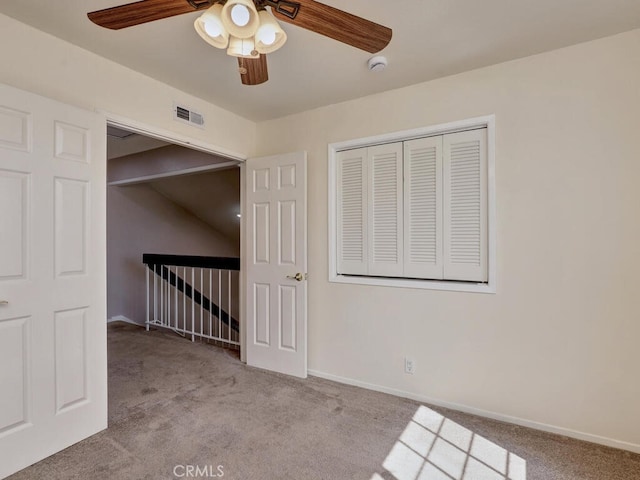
(242, 69)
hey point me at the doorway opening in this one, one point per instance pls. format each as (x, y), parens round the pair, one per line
(173, 237)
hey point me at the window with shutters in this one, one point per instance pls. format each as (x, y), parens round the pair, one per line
(417, 211)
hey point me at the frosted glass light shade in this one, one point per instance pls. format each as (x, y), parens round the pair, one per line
(209, 24)
(236, 11)
(240, 15)
(270, 36)
(242, 47)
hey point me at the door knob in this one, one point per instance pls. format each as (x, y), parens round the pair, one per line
(4, 302)
(298, 277)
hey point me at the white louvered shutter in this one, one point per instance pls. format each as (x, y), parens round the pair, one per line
(352, 212)
(465, 206)
(385, 210)
(423, 250)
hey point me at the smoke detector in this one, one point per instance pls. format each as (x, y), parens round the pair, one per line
(377, 64)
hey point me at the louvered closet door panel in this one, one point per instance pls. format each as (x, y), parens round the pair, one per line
(423, 208)
(385, 210)
(465, 206)
(352, 212)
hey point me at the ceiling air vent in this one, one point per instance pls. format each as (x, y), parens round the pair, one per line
(197, 118)
(185, 115)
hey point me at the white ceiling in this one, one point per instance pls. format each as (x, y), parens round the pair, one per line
(431, 39)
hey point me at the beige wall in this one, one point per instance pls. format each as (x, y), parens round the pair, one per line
(558, 343)
(141, 220)
(43, 64)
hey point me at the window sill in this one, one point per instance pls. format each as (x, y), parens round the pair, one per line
(450, 286)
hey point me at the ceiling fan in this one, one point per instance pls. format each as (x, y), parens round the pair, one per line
(246, 28)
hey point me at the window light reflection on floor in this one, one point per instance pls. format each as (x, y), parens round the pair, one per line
(432, 447)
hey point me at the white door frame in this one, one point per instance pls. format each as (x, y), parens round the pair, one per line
(169, 136)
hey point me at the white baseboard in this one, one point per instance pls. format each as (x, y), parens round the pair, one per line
(588, 437)
(122, 318)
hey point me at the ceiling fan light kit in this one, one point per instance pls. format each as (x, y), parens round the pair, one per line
(210, 28)
(248, 30)
(242, 47)
(239, 26)
(240, 18)
(270, 35)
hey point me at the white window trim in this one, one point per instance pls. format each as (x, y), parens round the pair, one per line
(487, 122)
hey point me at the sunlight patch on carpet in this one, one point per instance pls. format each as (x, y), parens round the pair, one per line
(432, 447)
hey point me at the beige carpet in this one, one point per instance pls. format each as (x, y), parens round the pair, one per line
(179, 410)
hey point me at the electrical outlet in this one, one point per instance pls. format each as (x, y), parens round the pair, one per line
(409, 366)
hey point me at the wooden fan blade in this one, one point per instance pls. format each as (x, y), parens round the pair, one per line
(256, 70)
(144, 11)
(342, 26)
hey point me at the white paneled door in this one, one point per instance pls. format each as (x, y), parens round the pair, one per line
(276, 268)
(53, 371)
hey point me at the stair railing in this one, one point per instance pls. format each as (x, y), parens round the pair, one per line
(194, 296)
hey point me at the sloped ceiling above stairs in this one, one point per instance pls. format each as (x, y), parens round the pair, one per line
(212, 197)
